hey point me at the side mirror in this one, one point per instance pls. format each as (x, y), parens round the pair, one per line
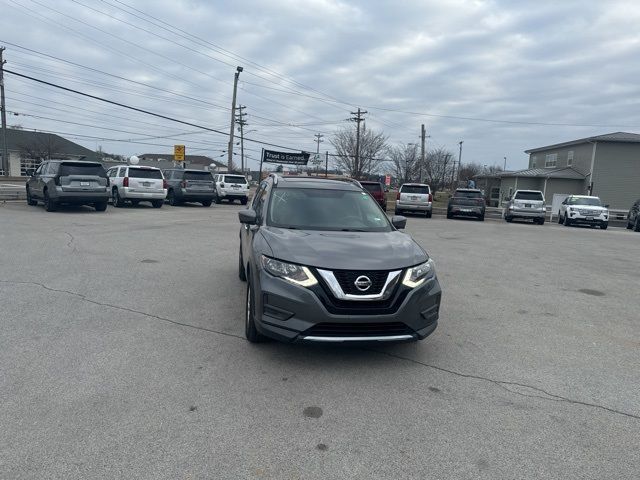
(399, 222)
(248, 217)
(606, 206)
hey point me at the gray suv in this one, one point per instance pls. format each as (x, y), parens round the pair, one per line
(323, 263)
(71, 182)
(189, 186)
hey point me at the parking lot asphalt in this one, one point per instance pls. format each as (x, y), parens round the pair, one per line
(122, 356)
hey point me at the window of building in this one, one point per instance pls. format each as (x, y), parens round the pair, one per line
(569, 158)
(551, 160)
(534, 161)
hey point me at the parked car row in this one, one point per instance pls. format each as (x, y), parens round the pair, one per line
(72, 182)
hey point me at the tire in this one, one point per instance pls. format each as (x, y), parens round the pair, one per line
(508, 219)
(629, 225)
(481, 218)
(449, 215)
(567, 222)
(541, 221)
(429, 214)
(560, 220)
(49, 205)
(33, 203)
(250, 330)
(100, 207)
(245, 199)
(172, 199)
(636, 226)
(242, 274)
(604, 225)
(157, 203)
(206, 203)
(116, 199)
(217, 200)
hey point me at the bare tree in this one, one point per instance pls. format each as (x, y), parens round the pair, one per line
(404, 160)
(438, 168)
(469, 170)
(41, 148)
(372, 148)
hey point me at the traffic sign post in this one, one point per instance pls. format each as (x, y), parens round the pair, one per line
(178, 153)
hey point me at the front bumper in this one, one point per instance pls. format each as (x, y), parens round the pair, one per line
(290, 313)
(587, 220)
(417, 207)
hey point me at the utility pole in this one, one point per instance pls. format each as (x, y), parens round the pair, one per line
(233, 118)
(423, 134)
(326, 165)
(505, 165)
(241, 123)
(3, 111)
(459, 160)
(318, 141)
(358, 118)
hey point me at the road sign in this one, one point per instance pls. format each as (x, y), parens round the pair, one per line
(178, 153)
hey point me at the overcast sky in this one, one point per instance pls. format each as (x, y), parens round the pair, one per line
(503, 76)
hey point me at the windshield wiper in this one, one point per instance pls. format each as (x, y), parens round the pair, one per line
(352, 230)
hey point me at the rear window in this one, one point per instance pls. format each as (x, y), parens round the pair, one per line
(529, 196)
(144, 173)
(467, 194)
(372, 187)
(198, 176)
(235, 179)
(82, 169)
(420, 189)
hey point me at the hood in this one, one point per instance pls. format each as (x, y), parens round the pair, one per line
(344, 250)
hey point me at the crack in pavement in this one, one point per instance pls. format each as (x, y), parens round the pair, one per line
(125, 309)
(504, 384)
(71, 243)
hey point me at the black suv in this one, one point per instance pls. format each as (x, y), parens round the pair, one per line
(633, 219)
(189, 186)
(323, 263)
(71, 182)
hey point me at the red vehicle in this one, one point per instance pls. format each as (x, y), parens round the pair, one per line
(376, 189)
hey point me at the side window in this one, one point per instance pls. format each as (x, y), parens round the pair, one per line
(40, 169)
(121, 171)
(112, 172)
(53, 168)
(259, 199)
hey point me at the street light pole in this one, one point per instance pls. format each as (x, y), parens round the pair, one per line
(505, 164)
(459, 160)
(233, 118)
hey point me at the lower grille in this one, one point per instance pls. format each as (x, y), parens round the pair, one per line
(358, 329)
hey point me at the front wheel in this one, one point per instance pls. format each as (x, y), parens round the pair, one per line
(206, 203)
(636, 226)
(481, 218)
(49, 205)
(117, 199)
(604, 226)
(429, 214)
(32, 202)
(567, 222)
(541, 221)
(244, 201)
(559, 219)
(157, 203)
(250, 330)
(508, 219)
(449, 215)
(172, 198)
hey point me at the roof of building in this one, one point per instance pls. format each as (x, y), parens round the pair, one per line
(624, 137)
(48, 144)
(566, 173)
(190, 159)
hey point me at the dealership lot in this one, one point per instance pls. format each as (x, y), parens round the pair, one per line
(122, 355)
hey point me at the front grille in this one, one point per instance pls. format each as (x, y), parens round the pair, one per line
(584, 211)
(347, 278)
(358, 329)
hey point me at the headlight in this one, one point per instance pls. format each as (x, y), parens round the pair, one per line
(295, 274)
(417, 275)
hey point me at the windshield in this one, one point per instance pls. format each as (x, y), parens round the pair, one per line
(82, 169)
(235, 179)
(529, 196)
(319, 209)
(198, 176)
(144, 173)
(420, 189)
(467, 194)
(594, 201)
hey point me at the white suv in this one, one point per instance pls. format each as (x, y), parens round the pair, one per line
(581, 209)
(136, 183)
(231, 187)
